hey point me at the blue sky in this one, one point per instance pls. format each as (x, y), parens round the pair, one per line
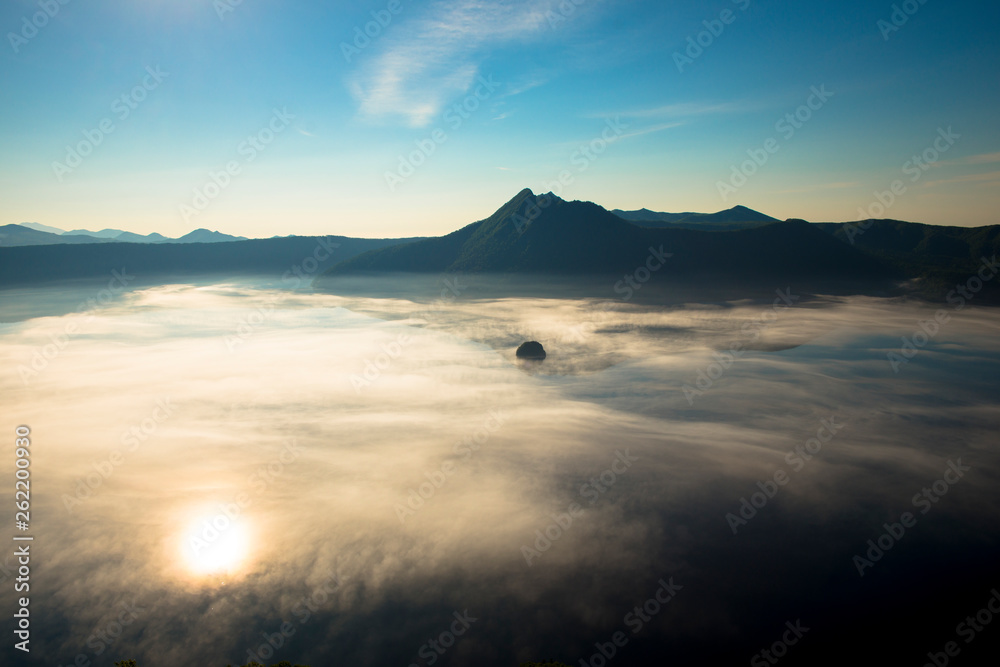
(251, 119)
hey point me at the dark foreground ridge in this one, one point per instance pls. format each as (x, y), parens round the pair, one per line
(285, 663)
(293, 261)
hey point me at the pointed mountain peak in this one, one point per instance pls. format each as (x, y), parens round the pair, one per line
(525, 208)
(748, 213)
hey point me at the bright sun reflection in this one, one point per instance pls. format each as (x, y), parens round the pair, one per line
(215, 545)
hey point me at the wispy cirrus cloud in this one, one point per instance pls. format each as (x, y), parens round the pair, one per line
(431, 59)
(680, 110)
(650, 130)
(971, 162)
(668, 115)
(988, 177)
(982, 158)
(840, 185)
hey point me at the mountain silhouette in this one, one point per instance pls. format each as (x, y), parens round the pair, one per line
(129, 237)
(42, 228)
(545, 234)
(207, 236)
(35, 234)
(103, 234)
(737, 217)
(19, 235)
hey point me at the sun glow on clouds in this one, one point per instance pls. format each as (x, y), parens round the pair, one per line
(215, 544)
(161, 525)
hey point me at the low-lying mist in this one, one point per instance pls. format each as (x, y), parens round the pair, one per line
(227, 472)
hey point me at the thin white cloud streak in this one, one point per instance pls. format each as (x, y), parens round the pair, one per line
(432, 59)
(988, 177)
(572, 145)
(650, 130)
(820, 187)
(681, 110)
(982, 158)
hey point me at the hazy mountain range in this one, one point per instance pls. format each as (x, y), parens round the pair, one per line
(738, 217)
(33, 233)
(543, 234)
(10, 235)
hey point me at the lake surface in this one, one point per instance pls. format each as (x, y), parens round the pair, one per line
(227, 472)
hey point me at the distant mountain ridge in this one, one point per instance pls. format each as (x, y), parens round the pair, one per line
(206, 236)
(31, 233)
(43, 228)
(738, 217)
(17, 235)
(103, 234)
